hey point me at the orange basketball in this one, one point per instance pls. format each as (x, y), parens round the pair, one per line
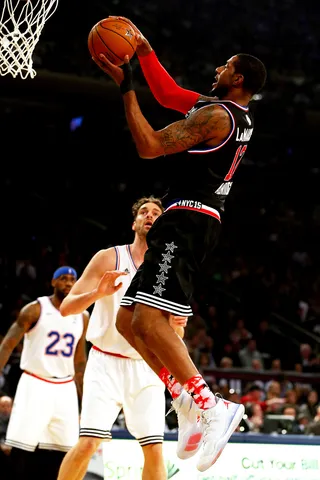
(114, 38)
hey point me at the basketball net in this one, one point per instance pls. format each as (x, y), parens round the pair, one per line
(21, 24)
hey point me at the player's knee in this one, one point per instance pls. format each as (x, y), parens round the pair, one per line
(153, 453)
(87, 446)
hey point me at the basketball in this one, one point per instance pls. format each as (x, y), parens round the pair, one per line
(114, 39)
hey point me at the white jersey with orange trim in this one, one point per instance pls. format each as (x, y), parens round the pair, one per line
(49, 347)
(102, 331)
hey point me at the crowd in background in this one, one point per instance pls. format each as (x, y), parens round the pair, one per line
(190, 37)
(266, 267)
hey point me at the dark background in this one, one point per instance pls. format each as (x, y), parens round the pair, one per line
(65, 194)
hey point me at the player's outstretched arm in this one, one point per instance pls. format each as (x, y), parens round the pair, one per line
(98, 280)
(163, 87)
(27, 318)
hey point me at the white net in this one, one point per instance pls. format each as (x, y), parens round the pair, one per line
(21, 24)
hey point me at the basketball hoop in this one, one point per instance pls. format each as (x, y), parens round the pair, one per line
(21, 24)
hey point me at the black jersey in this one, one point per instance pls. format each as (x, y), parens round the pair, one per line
(205, 173)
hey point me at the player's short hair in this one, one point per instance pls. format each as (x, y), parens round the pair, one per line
(141, 201)
(253, 70)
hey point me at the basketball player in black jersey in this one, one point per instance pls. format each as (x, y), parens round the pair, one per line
(210, 142)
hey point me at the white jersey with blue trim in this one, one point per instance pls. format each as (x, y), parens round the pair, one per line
(49, 347)
(102, 331)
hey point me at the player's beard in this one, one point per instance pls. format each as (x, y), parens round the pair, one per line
(60, 294)
(220, 91)
(142, 231)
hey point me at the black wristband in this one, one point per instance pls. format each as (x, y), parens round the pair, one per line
(127, 83)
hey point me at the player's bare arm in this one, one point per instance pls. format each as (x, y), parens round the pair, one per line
(80, 356)
(209, 124)
(97, 281)
(179, 331)
(27, 318)
(178, 324)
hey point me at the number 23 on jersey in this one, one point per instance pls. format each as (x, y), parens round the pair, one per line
(60, 344)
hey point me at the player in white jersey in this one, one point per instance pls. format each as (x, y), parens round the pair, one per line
(44, 423)
(116, 377)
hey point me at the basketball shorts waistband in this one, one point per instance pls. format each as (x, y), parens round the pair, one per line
(110, 353)
(194, 206)
(55, 380)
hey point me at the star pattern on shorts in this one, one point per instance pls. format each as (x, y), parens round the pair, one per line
(170, 247)
(164, 267)
(167, 257)
(158, 290)
(161, 278)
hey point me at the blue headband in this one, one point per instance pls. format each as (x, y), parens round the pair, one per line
(64, 271)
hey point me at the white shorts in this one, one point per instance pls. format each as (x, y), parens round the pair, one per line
(111, 384)
(44, 414)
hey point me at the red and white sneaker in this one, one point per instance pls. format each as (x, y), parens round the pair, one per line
(190, 431)
(219, 423)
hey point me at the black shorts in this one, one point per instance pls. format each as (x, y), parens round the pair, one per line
(180, 249)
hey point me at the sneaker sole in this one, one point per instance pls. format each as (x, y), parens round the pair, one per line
(224, 440)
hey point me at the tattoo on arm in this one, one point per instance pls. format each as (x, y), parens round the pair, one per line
(205, 124)
(203, 98)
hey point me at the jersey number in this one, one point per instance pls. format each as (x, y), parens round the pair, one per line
(237, 159)
(68, 347)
